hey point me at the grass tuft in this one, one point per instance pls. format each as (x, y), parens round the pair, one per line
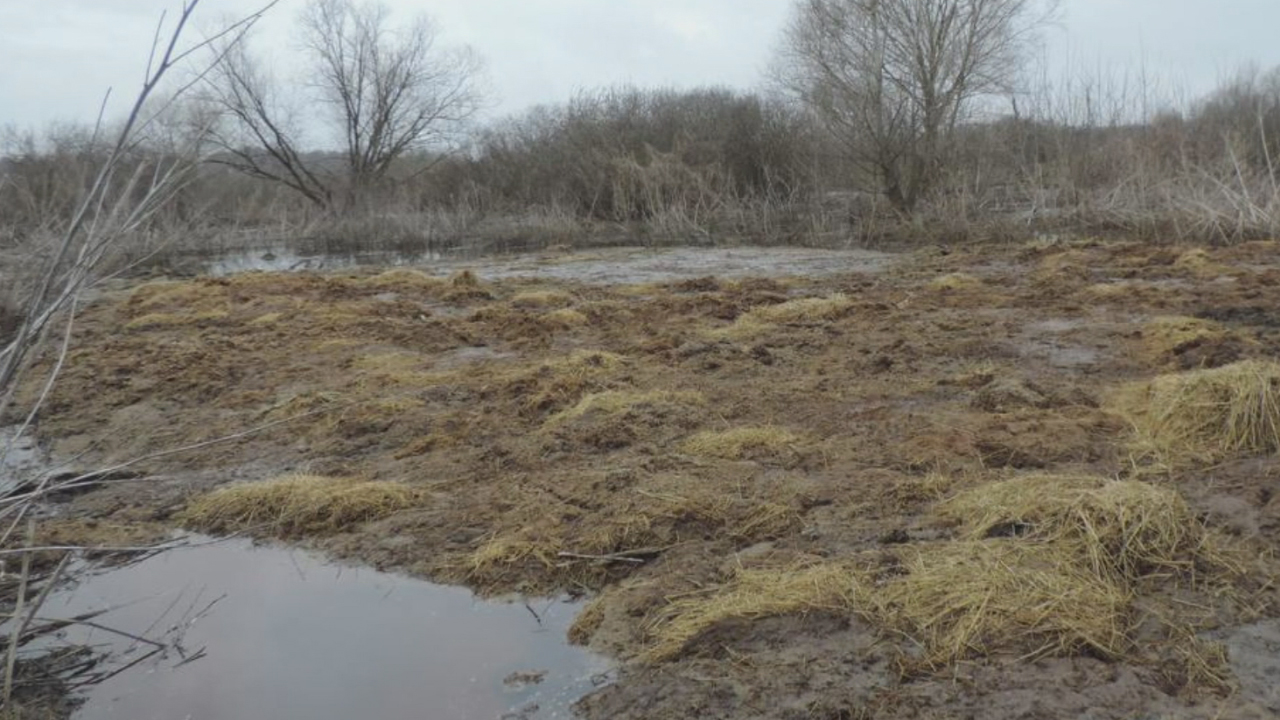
(1205, 415)
(1125, 530)
(969, 599)
(751, 595)
(955, 282)
(740, 443)
(296, 505)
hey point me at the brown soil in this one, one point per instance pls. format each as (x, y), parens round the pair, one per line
(555, 436)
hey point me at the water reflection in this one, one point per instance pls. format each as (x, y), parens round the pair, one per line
(289, 636)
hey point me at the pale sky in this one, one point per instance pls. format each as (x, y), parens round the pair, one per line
(57, 57)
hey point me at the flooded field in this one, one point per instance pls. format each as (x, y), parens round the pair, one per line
(603, 266)
(274, 633)
(1001, 481)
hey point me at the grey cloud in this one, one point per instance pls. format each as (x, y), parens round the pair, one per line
(60, 55)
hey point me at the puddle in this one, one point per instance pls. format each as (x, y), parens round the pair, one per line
(606, 267)
(289, 636)
(282, 259)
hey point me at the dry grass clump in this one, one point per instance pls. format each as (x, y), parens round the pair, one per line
(464, 279)
(266, 319)
(1110, 290)
(296, 505)
(659, 513)
(740, 443)
(561, 382)
(967, 599)
(1199, 263)
(1068, 262)
(955, 282)
(614, 402)
(541, 299)
(752, 595)
(1206, 415)
(378, 371)
(153, 321)
(567, 317)
(803, 310)
(953, 600)
(1126, 530)
(1165, 337)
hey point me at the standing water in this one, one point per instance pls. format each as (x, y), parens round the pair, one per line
(273, 633)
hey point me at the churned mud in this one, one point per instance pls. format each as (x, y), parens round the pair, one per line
(941, 484)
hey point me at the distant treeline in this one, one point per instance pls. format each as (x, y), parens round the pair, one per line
(723, 166)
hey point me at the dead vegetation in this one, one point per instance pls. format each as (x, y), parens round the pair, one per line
(752, 595)
(702, 455)
(1122, 529)
(297, 505)
(1206, 415)
(740, 443)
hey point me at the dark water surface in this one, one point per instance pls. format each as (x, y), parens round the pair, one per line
(277, 634)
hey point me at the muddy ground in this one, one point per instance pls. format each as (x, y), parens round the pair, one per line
(642, 443)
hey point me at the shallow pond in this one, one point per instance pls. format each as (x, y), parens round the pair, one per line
(610, 266)
(273, 633)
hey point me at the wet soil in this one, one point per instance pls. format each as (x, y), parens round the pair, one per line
(546, 417)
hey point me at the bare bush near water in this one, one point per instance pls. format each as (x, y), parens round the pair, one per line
(112, 194)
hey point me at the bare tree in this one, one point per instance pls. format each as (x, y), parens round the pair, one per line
(391, 92)
(891, 79)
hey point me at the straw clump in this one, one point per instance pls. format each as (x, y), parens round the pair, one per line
(802, 310)
(615, 402)
(1206, 415)
(541, 299)
(975, 598)
(752, 595)
(955, 282)
(1187, 343)
(1124, 530)
(296, 505)
(740, 443)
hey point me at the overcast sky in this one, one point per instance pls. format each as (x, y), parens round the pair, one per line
(58, 56)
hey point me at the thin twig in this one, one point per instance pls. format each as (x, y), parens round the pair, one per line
(11, 659)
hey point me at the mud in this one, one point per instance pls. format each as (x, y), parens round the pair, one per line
(268, 632)
(545, 416)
